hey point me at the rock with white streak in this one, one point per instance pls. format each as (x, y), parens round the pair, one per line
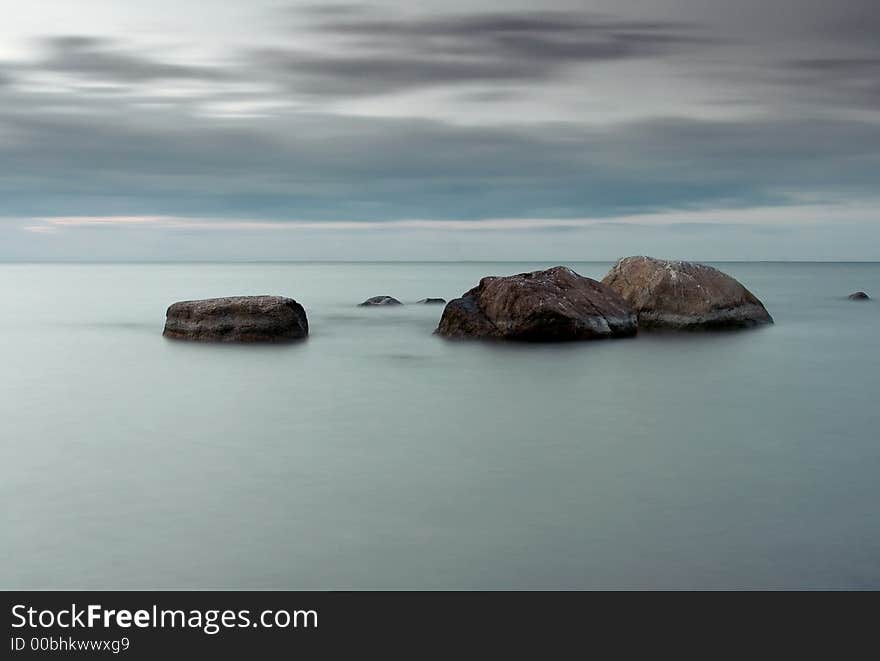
(684, 295)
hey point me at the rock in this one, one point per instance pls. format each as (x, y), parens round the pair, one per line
(684, 295)
(543, 306)
(859, 296)
(380, 300)
(433, 301)
(237, 319)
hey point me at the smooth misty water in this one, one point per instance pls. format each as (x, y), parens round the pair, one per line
(374, 455)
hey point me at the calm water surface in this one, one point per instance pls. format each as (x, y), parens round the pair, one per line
(374, 455)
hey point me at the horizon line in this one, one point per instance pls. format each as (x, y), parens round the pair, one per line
(417, 261)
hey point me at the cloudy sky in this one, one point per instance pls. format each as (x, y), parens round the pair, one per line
(213, 129)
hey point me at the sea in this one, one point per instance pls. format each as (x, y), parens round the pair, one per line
(376, 455)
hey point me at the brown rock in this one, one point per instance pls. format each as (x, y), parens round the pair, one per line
(237, 319)
(379, 300)
(543, 306)
(684, 295)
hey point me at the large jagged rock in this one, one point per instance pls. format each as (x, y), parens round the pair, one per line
(237, 319)
(684, 295)
(379, 300)
(543, 306)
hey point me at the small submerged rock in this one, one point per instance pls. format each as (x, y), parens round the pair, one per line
(542, 306)
(859, 296)
(237, 319)
(380, 300)
(433, 301)
(684, 295)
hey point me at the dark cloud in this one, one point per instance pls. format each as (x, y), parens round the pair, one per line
(838, 66)
(337, 9)
(107, 60)
(552, 24)
(850, 78)
(849, 21)
(845, 81)
(494, 95)
(379, 54)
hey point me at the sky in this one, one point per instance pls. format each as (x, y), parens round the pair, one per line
(266, 130)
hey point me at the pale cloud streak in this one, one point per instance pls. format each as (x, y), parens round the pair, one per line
(794, 214)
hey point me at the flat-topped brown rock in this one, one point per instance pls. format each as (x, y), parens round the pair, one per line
(543, 306)
(237, 319)
(684, 295)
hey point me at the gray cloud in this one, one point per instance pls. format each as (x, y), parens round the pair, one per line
(108, 157)
(850, 21)
(381, 54)
(837, 66)
(85, 149)
(107, 60)
(844, 80)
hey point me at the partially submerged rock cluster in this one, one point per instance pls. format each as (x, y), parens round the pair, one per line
(249, 318)
(638, 292)
(542, 306)
(390, 300)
